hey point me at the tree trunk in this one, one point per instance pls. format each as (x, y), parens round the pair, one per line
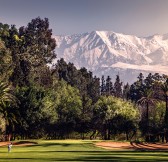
(105, 131)
(92, 135)
(166, 115)
(83, 136)
(127, 137)
(108, 134)
(147, 115)
(166, 119)
(147, 122)
(108, 130)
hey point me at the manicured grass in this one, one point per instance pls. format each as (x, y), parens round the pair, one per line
(75, 150)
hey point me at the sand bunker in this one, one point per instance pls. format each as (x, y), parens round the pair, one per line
(21, 143)
(132, 145)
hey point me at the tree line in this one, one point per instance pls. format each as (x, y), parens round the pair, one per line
(58, 102)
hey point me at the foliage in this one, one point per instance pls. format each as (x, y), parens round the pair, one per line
(38, 41)
(30, 99)
(5, 62)
(6, 95)
(8, 103)
(108, 109)
(2, 126)
(38, 100)
(68, 108)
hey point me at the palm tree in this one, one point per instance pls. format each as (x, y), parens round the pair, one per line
(164, 88)
(146, 100)
(6, 94)
(6, 100)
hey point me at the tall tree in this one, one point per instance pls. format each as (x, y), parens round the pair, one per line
(93, 89)
(30, 101)
(165, 93)
(32, 48)
(109, 86)
(84, 121)
(7, 101)
(137, 89)
(146, 100)
(118, 87)
(6, 63)
(126, 90)
(38, 41)
(103, 86)
(68, 109)
(109, 108)
(6, 94)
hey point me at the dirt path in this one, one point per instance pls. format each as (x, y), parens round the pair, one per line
(135, 146)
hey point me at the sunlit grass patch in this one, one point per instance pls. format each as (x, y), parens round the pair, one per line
(75, 150)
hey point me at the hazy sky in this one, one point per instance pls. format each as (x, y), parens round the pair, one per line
(138, 17)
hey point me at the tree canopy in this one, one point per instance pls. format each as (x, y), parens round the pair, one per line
(39, 99)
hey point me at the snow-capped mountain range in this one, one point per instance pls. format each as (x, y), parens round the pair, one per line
(110, 53)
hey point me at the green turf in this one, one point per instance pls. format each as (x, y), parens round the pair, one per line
(71, 150)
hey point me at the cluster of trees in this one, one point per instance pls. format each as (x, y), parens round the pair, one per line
(38, 101)
(150, 95)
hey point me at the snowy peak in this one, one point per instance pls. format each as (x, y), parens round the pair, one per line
(99, 49)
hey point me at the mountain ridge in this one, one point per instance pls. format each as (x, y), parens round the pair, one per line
(99, 51)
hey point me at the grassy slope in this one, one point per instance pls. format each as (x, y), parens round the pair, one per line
(70, 150)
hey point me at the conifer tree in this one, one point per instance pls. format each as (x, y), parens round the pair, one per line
(103, 86)
(118, 87)
(38, 41)
(108, 81)
(137, 89)
(126, 90)
(164, 88)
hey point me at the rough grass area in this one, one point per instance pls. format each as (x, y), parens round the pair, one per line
(74, 150)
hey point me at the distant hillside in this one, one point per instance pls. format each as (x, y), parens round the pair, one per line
(110, 53)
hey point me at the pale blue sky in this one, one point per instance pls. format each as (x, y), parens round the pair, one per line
(138, 17)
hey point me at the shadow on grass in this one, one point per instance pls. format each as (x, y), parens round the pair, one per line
(149, 146)
(103, 155)
(53, 144)
(25, 143)
(56, 144)
(143, 156)
(98, 156)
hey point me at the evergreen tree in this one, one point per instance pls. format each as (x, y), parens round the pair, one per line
(62, 70)
(148, 81)
(137, 89)
(165, 93)
(103, 86)
(146, 100)
(93, 89)
(118, 87)
(38, 41)
(126, 90)
(84, 120)
(6, 63)
(32, 48)
(108, 84)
